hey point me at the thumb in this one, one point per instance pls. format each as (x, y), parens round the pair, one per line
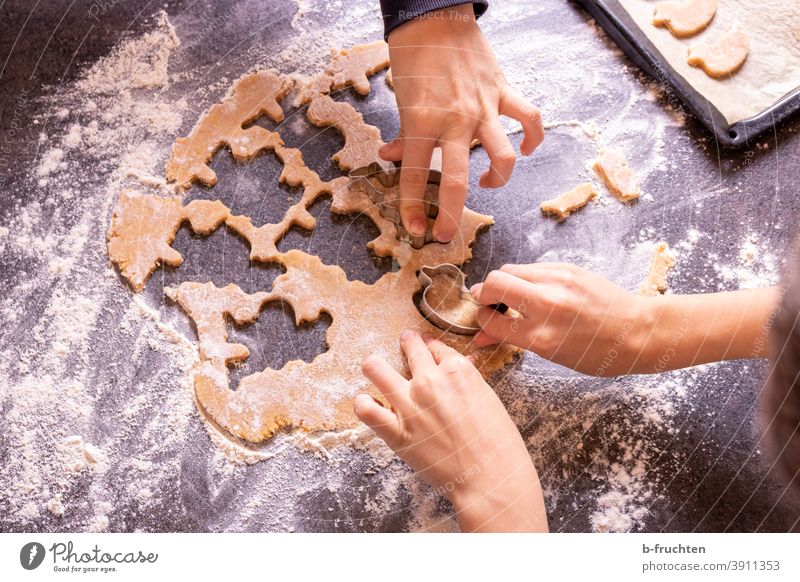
(379, 418)
(392, 151)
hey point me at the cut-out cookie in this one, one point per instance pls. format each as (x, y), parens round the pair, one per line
(568, 202)
(612, 167)
(347, 67)
(251, 96)
(662, 260)
(685, 18)
(361, 141)
(724, 57)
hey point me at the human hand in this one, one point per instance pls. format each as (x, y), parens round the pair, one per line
(567, 315)
(583, 321)
(450, 90)
(451, 428)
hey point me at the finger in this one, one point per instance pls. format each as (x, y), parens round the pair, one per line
(439, 349)
(392, 151)
(388, 380)
(501, 155)
(452, 189)
(483, 339)
(417, 154)
(381, 420)
(417, 353)
(502, 287)
(500, 327)
(514, 105)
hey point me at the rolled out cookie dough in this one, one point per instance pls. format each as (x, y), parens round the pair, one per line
(612, 167)
(314, 395)
(685, 18)
(565, 204)
(722, 58)
(661, 262)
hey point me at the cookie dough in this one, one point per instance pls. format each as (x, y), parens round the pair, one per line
(314, 395)
(568, 202)
(346, 68)
(446, 297)
(661, 262)
(685, 18)
(252, 96)
(722, 58)
(612, 167)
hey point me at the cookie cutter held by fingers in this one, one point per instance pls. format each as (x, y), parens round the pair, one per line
(380, 181)
(453, 310)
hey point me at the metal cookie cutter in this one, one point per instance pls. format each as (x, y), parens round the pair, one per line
(425, 277)
(380, 181)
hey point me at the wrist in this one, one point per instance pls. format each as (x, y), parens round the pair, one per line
(435, 26)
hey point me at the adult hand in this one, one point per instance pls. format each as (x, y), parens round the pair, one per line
(452, 429)
(450, 90)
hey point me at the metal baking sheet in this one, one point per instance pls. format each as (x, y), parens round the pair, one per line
(618, 23)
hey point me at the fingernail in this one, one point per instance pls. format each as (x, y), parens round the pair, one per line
(443, 238)
(427, 337)
(475, 289)
(417, 227)
(407, 335)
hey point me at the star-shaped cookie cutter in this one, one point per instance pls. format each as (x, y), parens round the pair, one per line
(380, 180)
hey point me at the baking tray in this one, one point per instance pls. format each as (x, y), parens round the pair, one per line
(619, 25)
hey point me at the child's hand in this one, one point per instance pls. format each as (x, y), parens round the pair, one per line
(583, 321)
(450, 90)
(452, 429)
(568, 315)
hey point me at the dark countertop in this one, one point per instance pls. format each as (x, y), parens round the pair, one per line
(705, 469)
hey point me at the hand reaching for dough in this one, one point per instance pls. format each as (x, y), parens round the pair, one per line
(450, 90)
(585, 322)
(452, 429)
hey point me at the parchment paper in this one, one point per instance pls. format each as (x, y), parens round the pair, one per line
(771, 71)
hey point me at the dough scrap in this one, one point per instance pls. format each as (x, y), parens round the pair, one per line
(315, 395)
(568, 202)
(252, 96)
(661, 262)
(390, 78)
(361, 141)
(724, 57)
(612, 167)
(685, 18)
(347, 67)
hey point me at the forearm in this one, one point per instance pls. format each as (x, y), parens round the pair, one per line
(687, 330)
(397, 12)
(515, 503)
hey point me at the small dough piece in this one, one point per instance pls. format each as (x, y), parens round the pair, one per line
(390, 78)
(724, 57)
(568, 202)
(685, 18)
(661, 262)
(612, 167)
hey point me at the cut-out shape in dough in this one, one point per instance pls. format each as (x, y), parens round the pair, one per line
(347, 67)
(612, 167)
(661, 262)
(685, 18)
(568, 202)
(722, 58)
(251, 96)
